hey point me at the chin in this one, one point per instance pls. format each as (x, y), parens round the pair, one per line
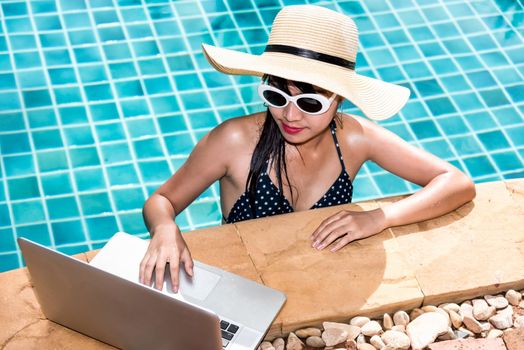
(296, 139)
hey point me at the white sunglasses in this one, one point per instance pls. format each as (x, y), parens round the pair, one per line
(308, 103)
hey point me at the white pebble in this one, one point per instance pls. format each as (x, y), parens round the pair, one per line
(494, 333)
(519, 322)
(401, 318)
(463, 332)
(513, 297)
(294, 343)
(359, 321)
(315, 341)
(450, 306)
(426, 328)
(481, 310)
(365, 346)
(371, 328)
(429, 308)
(396, 339)
(503, 319)
(399, 328)
(498, 301)
(334, 336)
(445, 314)
(471, 323)
(279, 344)
(308, 332)
(449, 335)
(456, 319)
(266, 346)
(387, 321)
(377, 342)
(352, 331)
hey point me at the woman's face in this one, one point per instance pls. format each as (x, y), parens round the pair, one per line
(298, 127)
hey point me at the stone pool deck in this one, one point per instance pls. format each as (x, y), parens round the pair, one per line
(477, 249)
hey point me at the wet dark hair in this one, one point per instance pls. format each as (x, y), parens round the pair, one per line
(271, 144)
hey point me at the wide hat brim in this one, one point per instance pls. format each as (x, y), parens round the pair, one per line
(377, 99)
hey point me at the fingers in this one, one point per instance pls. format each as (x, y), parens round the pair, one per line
(141, 273)
(324, 224)
(342, 242)
(147, 266)
(331, 237)
(160, 268)
(165, 247)
(188, 263)
(174, 267)
(328, 229)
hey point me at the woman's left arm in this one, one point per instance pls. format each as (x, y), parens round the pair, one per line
(445, 188)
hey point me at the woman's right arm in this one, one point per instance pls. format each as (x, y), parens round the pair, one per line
(207, 163)
(166, 246)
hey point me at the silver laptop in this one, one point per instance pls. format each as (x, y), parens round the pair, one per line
(104, 300)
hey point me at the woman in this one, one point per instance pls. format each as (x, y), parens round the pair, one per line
(301, 154)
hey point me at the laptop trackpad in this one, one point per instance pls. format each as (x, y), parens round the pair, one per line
(197, 287)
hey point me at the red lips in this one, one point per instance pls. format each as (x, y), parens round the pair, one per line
(290, 130)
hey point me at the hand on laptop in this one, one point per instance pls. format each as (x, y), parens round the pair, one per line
(167, 246)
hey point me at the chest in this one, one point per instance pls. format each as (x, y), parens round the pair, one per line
(309, 181)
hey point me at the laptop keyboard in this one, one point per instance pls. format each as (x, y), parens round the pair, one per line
(228, 331)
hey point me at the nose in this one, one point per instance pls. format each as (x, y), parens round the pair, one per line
(292, 113)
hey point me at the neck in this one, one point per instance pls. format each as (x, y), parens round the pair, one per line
(312, 148)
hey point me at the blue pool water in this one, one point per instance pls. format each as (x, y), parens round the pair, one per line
(101, 100)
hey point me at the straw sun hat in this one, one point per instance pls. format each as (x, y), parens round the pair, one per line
(315, 45)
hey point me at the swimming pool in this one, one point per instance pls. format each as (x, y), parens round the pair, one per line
(101, 100)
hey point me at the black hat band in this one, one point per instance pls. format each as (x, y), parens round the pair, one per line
(312, 55)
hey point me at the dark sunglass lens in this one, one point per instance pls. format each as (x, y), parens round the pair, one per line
(309, 105)
(275, 98)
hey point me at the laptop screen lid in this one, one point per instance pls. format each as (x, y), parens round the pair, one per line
(115, 310)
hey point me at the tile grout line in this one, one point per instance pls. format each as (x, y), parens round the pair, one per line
(399, 114)
(458, 110)
(140, 77)
(85, 103)
(185, 112)
(34, 158)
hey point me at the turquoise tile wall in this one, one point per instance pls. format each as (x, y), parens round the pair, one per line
(102, 100)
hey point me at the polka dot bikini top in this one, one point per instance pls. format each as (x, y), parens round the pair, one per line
(270, 201)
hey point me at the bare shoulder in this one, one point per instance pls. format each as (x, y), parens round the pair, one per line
(365, 138)
(238, 130)
(231, 143)
(354, 133)
(358, 126)
(361, 129)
